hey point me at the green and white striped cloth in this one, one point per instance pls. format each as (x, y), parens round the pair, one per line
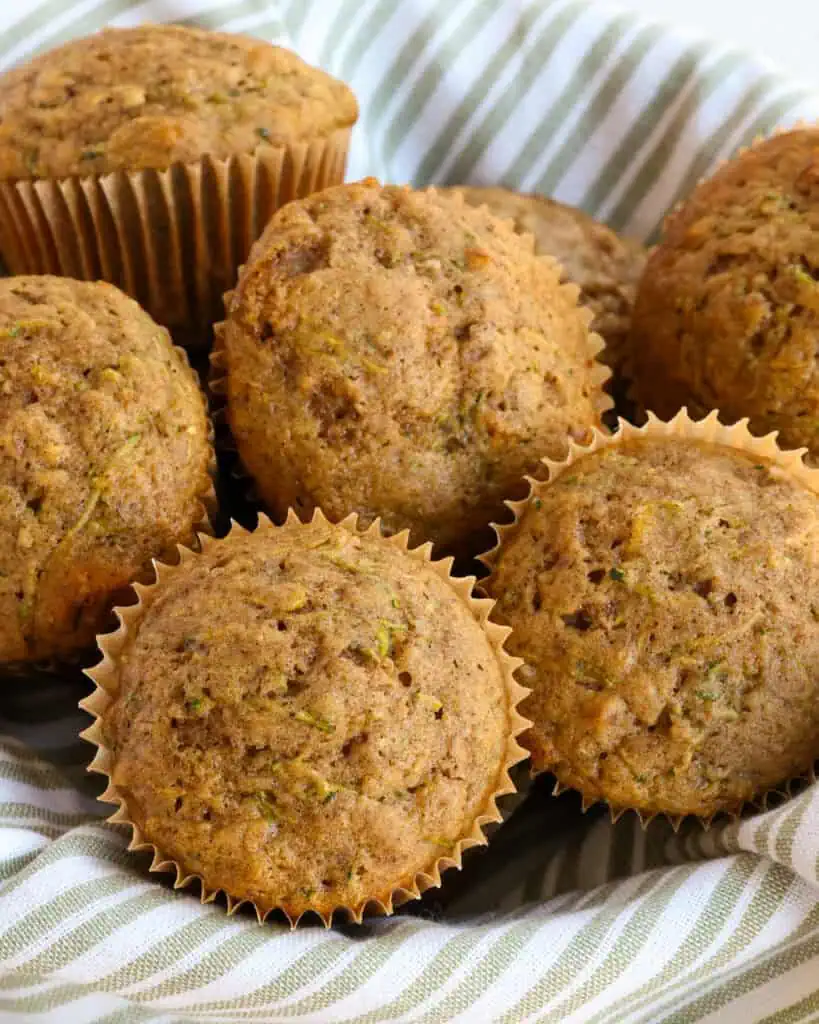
(566, 918)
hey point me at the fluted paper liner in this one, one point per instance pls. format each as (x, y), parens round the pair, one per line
(599, 376)
(709, 430)
(203, 523)
(410, 887)
(171, 239)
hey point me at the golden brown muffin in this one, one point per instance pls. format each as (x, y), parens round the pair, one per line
(104, 458)
(400, 354)
(148, 97)
(604, 266)
(308, 718)
(663, 592)
(727, 314)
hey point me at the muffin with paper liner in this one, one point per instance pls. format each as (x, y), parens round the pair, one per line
(152, 157)
(307, 718)
(662, 590)
(400, 354)
(106, 460)
(727, 310)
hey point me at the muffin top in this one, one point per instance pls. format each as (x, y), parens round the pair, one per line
(399, 353)
(308, 717)
(728, 308)
(156, 95)
(605, 267)
(663, 593)
(785, 165)
(103, 456)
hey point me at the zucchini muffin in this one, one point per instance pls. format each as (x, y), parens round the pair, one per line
(663, 593)
(104, 458)
(245, 125)
(727, 314)
(604, 266)
(308, 718)
(397, 353)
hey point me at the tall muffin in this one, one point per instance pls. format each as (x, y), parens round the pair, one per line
(104, 458)
(662, 591)
(152, 157)
(400, 354)
(604, 266)
(727, 314)
(307, 718)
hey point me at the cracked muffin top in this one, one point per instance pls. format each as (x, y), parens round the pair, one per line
(604, 266)
(104, 457)
(664, 596)
(727, 313)
(401, 354)
(307, 717)
(155, 95)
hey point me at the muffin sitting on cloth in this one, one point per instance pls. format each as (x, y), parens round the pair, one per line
(400, 354)
(307, 718)
(663, 589)
(727, 314)
(604, 266)
(152, 157)
(104, 458)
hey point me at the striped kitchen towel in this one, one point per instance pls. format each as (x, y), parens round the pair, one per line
(566, 917)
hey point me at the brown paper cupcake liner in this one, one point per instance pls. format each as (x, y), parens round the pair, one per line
(410, 887)
(171, 239)
(709, 430)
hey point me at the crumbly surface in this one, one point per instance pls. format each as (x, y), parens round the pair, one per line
(104, 457)
(728, 309)
(399, 353)
(150, 96)
(604, 266)
(308, 718)
(664, 595)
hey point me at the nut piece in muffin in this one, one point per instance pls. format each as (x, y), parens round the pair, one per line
(603, 265)
(104, 458)
(153, 157)
(401, 354)
(308, 718)
(727, 314)
(155, 95)
(663, 592)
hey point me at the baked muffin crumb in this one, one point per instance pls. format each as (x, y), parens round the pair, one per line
(661, 592)
(104, 458)
(307, 718)
(400, 354)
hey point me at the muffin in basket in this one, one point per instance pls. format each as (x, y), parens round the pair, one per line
(662, 589)
(727, 314)
(401, 354)
(152, 157)
(104, 458)
(307, 718)
(603, 265)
